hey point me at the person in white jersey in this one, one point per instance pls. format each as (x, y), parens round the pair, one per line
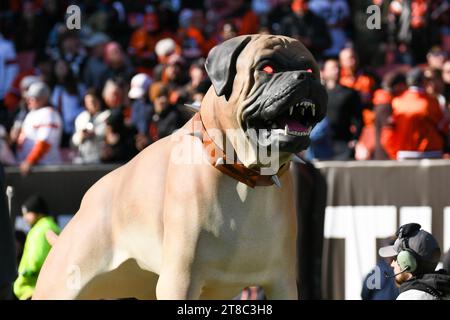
(40, 137)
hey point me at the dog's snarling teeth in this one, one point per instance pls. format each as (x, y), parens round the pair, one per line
(305, 104)
(297, 120)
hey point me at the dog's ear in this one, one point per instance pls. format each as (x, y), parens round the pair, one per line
(221, 64)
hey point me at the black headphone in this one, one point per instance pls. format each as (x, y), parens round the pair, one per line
(407, 259)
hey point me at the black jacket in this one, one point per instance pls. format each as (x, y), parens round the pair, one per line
(308, 26)
(434, 285)
(344, 110)
(162, 125)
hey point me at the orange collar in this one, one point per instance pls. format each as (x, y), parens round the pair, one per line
(236, 170)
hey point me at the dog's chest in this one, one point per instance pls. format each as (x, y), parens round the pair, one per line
(245, 235)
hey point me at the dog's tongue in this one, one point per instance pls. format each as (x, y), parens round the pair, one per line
(293, 125)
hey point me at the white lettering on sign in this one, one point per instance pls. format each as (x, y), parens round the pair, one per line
(360, 226)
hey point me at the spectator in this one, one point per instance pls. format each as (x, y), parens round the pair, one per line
(8, 71)
(436, 58)
(198, 79)
(434, 86)
(31, 27)
(354, 77)
(280, 9)
(446, 78)
(95, 69)
(190, 36)
(416, 254)
(174, 78)
(165, 49)
(116, 20)
(195, 90)
(394, 84)
(36, 249)
(118, 65)
(321, 147)
(414, 28)
(43, 69)
(119, 145)
(22, 110)
(343, 112)
(306, 26)
(229, 31)
(200, 91)
(66, 98)
(418, 123)
(40, 136)
(369, 43)
(143, 41)
(90, 126)
(239, 12)
(140, 108)
(165, 117)
(114, 97)
(226, 32)
(71, 51)
(8, 65)
(336, 14)
(6, 155)
(166, 39)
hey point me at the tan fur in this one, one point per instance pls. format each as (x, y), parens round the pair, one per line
(155, 228)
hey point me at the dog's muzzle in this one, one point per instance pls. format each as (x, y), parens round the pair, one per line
(288, 105)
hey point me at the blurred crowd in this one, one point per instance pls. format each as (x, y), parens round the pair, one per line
(104, 92)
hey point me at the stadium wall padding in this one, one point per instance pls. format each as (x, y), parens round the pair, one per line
(343, 209)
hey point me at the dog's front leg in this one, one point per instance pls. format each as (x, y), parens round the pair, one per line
(177, 284)
(180, 276)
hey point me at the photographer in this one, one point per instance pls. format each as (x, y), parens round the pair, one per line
(90, 128)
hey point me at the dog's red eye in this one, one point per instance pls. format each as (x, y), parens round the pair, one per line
(309, 70)
(268, 69)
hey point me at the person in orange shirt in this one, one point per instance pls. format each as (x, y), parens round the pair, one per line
(394, 84)
(143, 41)
(190, 34)
(353, 77)
(243, 17)
(417, 125)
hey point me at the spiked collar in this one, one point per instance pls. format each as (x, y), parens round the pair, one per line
(235, 170)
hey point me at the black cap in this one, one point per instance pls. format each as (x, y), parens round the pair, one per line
(421, 242)
(35, 204)
(415, 77)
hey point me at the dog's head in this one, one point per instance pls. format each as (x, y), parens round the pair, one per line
(268, 82)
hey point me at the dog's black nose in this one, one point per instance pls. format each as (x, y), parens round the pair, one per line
(301, 75)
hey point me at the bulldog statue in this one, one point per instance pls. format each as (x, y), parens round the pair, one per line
(201, 214)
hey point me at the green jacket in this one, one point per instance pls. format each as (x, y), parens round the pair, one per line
(34, 253)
